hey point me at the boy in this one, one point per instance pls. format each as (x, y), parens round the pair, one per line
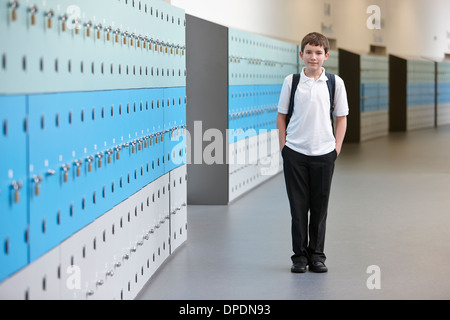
(309, 148)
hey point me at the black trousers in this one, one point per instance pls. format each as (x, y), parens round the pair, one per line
(308, 184)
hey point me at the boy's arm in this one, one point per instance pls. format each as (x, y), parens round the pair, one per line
(341, 128)
(281, 126)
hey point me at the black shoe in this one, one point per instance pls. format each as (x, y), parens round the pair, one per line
(299, 267)
(318, 267)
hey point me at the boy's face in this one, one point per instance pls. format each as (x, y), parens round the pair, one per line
(314, 57)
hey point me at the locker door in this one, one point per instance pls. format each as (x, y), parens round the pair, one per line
(14, 186)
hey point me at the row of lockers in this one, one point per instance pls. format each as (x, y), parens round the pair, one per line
(252, 109)
(421, 87)
(111, 45)
(71, 157)
(92, 112)
(257, 68)
(255, 59)
(260, 49)
(389, 93)
(115, 255)
(374, 96)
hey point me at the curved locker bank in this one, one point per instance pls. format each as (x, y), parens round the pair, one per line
(93, 123)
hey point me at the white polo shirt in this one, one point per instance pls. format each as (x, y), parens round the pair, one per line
(310, 131)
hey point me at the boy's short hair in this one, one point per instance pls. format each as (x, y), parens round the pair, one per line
(316, 39)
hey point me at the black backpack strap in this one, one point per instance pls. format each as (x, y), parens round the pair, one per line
(295, 81)
(331, 83)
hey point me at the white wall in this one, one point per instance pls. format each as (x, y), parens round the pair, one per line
(410, 27)
(419, 27)
(283, 19)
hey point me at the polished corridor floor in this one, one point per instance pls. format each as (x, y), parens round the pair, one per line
(390, 208)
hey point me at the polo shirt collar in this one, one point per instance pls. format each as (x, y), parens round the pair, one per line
(304, 78)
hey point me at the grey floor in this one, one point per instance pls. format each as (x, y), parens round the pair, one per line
(390, 207)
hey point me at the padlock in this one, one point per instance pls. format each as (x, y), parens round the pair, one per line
(14, 5)
(117, 33)
(33, 10)
(125, 35)
(37, 187)
(90, 159)
(65, 168)
(108, 33)
(77, 25)
(17, 185)
(49, 14)
(99, 29)
(88, 26)
(118, 148)
(63, 19)
(133, 148)
(144, 43)
(100, 156)
(109, 155)
(78, 164)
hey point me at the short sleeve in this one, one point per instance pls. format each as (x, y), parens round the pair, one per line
(341, 108)
(285, 95)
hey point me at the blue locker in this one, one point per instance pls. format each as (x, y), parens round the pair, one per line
(59, 126)
(13, 172)
(174, 127)
(110, 141)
